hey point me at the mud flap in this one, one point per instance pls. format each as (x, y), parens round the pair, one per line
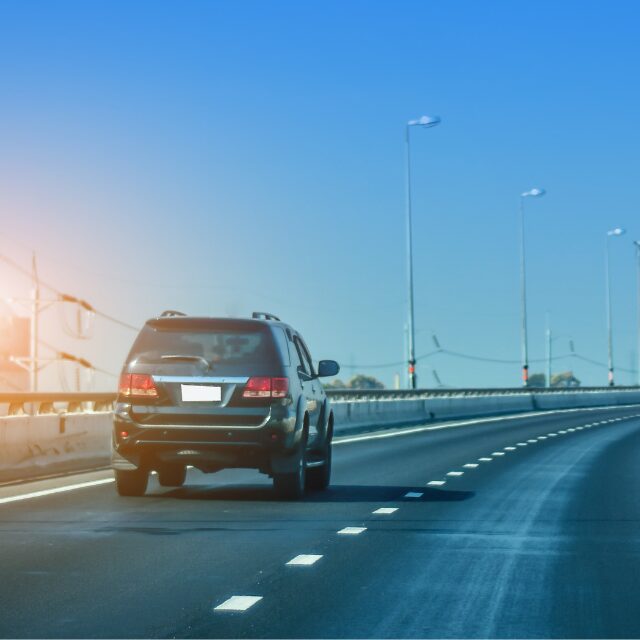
(285, 463)
(121, 463)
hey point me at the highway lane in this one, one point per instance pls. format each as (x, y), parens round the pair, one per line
(538, 542)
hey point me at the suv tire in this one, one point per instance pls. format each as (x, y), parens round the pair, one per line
(172, 475)
(290, 486)
(318, 478)
(131, 483)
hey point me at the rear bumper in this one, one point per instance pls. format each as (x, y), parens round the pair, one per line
(208, 448)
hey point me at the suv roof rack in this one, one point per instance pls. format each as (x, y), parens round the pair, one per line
(170, 313)
(263, 315)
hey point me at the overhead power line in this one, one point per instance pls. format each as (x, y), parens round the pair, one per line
(468, 356)
(65, 297)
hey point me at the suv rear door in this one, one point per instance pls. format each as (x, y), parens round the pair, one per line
(186, 357)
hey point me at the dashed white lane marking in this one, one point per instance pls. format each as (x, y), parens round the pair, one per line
(470, 465)
(542, 437)
(385, 511)
(498, 453)
(304, 560)
(413, 494)
(552, 435)
(238, 603)
(352, 531)
(562, 432)
(570, 430)
(436, 483)
(48, 492)
(578, 428)
(455, 473)
(532, 441)
(522, 444)
(509, 448)
(485, 459)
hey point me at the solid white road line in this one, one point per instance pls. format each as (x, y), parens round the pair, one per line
(385, 511)
(470, 465)
(436, 483)
(463, 423)
(352, 531)
(413, 494)
(49, 492)
(455, 474)
(303, 560)
(238, 603)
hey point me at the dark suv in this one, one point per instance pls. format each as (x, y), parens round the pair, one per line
(215, 393)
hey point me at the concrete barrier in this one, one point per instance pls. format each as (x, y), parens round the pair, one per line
(358, 415)
(39, 445)
(35, 446)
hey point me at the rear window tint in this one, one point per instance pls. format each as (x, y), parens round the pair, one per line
(225, 347)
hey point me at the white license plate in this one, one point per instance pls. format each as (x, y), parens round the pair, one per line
(200, 393)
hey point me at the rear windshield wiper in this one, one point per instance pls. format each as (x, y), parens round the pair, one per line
(179, 357)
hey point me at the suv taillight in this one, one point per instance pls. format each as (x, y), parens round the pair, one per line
(137, 385)
(259, 387)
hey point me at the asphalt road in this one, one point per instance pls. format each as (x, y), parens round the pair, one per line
(542, 541)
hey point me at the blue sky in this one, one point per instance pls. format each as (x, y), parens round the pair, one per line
(220, 157)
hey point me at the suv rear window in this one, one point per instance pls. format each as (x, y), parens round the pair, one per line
(226, 347)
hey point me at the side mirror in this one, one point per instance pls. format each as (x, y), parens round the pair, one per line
(328, 368)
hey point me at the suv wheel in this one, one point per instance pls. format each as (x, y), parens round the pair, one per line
(291, 485)
(318, 478)
(172, 475)
(131, 483)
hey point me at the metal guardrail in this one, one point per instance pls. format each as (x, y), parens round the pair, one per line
(345, 395)
(15, 404)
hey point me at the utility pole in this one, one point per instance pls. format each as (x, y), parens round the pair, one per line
(34, 363)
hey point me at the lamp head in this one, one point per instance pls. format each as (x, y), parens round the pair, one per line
(533, 193)
(425, 121)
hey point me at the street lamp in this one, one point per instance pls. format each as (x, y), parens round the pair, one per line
(533, 193)
(425, 122)
(637, 246)
(614, 232)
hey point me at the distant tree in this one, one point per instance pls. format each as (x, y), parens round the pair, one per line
(564, 379)
(537, 380)
(334, 384)
(361, 381)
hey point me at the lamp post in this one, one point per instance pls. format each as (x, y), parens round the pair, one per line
(533, 193)
(425, 122)
(613, 232)
(637, 246)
